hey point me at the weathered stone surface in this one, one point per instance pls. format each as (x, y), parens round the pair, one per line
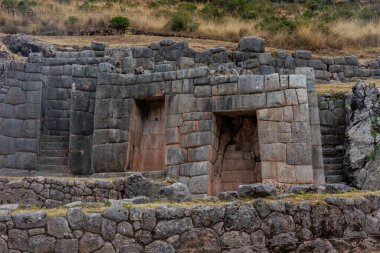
(204, 240)
(66, 245)
(257, 190)
(363, 172)
(29, 220)
(176, 192)
(90, 242)
(41, 243)
(160, 246)
(165, 229)
(58, 227)
(235, 239)
(241, 217)
(252, 44)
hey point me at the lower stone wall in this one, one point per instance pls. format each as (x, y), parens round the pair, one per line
(53, 192)
(341, 225)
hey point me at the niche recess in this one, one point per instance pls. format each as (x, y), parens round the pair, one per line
(147, 152)
(237, 152)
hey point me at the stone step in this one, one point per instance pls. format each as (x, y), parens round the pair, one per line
(43, 168)
(333, 172)
(54, 138)
(54, 153)
(333, 167)
(49, 174)
(54, 160)
(334, 179)
(54, 145)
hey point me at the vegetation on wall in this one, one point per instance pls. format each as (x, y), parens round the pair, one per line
(299, 23)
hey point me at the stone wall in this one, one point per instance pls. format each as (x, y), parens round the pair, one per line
(339, 225)
(333, 119)
(20, 110)
(194, 100)
(47, 192)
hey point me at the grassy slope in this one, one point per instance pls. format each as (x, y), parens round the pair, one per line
(309, 25)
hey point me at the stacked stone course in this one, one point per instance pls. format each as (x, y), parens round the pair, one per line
(340, 225)
(92, 113)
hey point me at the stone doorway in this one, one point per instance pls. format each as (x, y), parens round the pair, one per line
(237, 154)
(148, 136)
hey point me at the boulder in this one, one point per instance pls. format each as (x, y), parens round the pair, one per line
(258, 190)
(362, 159)
(90, 242)
(176, 192)
(252, 44)
(24, 44)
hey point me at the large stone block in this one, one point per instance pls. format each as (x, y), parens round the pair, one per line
(174, 155)
(196, 139)
(250, 84)
(11, 127)
(22, 160)
(252, 44)
(199, 184)
(273, 152)
(286, 174)
(272, 82)
(298, 154)
(275, 99)
(267, 131)
(15, 96)
(272, 114)
(302, 96)
(301, 132)
(301, 113)
(205, 153)
(108, 157)
(27, 111)
(304, 174)
(195, 169)
(291, 97)
(297, 81)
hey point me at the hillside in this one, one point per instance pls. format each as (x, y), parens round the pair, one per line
(312, 24)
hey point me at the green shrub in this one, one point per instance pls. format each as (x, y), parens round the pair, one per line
(274, 23)
(180, 21)
(187, 6)
(367, 14)
(210, 11)
(120, 23)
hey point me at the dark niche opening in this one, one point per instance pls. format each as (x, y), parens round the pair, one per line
(147, 149)
(237, 159)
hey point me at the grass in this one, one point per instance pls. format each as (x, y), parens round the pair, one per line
(87, 208)
(345, 87)
(288, 25)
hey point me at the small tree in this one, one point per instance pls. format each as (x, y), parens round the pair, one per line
(119, 23)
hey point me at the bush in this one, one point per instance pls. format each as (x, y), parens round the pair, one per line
(274, 23)
(210, 11)
(120, 23)
(366, 14)
(179, 21)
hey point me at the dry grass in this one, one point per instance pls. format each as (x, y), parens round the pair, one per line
(52, 17)
(334, 88)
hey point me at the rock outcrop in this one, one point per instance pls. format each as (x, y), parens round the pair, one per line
(362, 159)
(24, 44)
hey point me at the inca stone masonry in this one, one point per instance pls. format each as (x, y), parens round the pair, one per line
(210, 122)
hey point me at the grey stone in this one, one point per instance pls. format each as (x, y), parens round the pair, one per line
(176, 192)
(252, 44)
(92, 222)
(303, 54)
(125, 228)
(258, 190)
(241, 217)
(58, 227)
(90, 242)
(66, 245)
(235, 239)
(193, 239)
(75, 218)
(29, 220)
(165, 229)
(18, 239)
(160, 246)
(108, 229)
(117, 213)
(41, 243)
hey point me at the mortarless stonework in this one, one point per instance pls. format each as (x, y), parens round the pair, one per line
(339, 225)
(92, 115)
